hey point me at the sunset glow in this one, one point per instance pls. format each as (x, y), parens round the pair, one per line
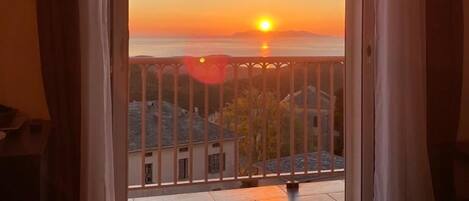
(149, 18)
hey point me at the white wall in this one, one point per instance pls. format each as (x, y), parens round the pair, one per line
(464, 121)
(20, 69)
(135, 164)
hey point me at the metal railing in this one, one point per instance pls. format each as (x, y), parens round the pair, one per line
(265, 117)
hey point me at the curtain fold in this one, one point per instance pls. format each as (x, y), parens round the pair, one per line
(75, 62)
(59, 43)
(402, 169)
(97, 150)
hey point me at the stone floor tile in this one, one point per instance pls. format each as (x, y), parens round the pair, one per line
(248, 194)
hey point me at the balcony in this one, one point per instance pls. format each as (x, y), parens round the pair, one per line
(219, 122)
(315, 191)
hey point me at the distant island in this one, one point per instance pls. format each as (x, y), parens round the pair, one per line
(255, 33)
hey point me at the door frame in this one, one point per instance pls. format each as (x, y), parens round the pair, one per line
(359, 99)
(119, 44)
(368, 99)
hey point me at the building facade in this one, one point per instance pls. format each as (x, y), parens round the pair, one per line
(213, 162)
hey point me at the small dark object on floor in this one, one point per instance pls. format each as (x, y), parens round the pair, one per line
(292, 185)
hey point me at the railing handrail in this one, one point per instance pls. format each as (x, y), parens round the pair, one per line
(229, 59)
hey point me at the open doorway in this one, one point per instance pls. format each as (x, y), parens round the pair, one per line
(191, 81)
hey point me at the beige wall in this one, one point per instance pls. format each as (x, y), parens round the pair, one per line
(20, 70)
(464, 122)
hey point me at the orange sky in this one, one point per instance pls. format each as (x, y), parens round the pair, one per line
(225, 17)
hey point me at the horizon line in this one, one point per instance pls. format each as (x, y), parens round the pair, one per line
(150, 35)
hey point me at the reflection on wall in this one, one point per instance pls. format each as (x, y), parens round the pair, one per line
(20, 70)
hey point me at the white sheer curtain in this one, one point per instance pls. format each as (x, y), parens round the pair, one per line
(97, 180)
(402, 169)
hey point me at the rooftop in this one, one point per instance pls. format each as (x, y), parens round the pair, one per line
(151, 139)
(311, 94)
(312, 158)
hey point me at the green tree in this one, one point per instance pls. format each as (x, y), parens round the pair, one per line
(257, 118)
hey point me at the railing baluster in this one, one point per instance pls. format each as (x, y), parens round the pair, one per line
(160, 117)
(206, 131)
(319, 116)
(236, 158)
(331, 115)
(342, 67)
(143, 110)
(221, 127)
(292, 120)
(278, 127)
(191, 113)
(264, 121)
(175, 124)
(250, 103)
(305, 118)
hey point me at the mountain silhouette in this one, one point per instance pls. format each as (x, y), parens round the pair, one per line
(254, 33)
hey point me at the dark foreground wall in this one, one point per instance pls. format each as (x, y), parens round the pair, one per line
(444, 82)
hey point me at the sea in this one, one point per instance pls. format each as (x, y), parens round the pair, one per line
(232, 46)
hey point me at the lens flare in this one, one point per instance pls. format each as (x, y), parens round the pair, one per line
(202, 60)
(208, 70)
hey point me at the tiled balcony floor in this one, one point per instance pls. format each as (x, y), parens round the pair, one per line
(314, 191)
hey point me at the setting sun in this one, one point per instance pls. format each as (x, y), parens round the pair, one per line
(265, 25)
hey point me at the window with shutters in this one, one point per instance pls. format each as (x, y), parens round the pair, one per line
(148, 173)
(214, 162)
